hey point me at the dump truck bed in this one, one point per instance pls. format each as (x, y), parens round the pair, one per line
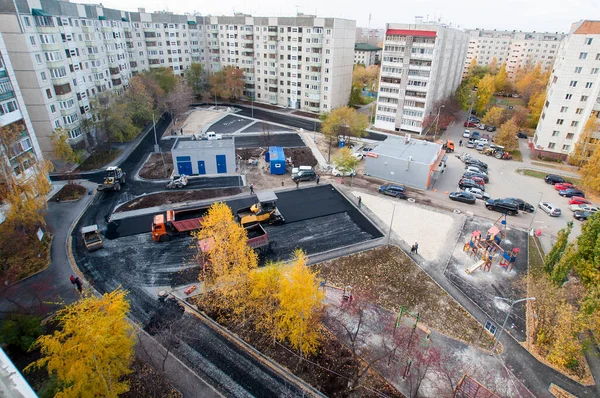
(257, 236)
(186, 220)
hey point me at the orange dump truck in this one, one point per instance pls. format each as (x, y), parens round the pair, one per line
(177, 221)
(258, 239)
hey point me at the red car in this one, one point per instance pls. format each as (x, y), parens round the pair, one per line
(470, 124)
(563, 185)
(578, 200)
(478, 180)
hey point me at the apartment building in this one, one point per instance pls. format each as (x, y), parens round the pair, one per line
(517, 49)
(573, 94)
(20, 155)
(65, 54)
(421, 64)
(366, 54)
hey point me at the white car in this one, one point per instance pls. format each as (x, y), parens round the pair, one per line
(474, 169)
(339, 173)
(481, 126)
(478, 193)
(482, 141)
(467, 134)
(584, 207)
(359, 155)
(550, 209)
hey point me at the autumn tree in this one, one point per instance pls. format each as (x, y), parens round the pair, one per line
(472, 66)
(61, 148)
(506, 136)
(155, 90)
(179, 99)
(344, 121)
(495, 116)
(493, 66)
(92, 349)
(590, 172)
(485, 91)
(344, 161)
(264, 293)
(227, 83)
(566, 348)
(558, 250)
(463, 94)
(501, 78)
(196, 78)
(138, 101)
(535, 106)
(112, 119)
(300, 307)
(372, 78)
(355, 96)
(222, 241)
(163, 77)
(359, 75)
(585, 145)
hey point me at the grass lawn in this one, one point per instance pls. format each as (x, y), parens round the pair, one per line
(542, 174)
(394, 280)
(517, 155)
(368, 100)
(99, 159)
(508, 101)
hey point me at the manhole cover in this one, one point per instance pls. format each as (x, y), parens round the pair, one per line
(411, 200)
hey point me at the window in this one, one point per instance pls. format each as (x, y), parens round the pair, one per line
(579, 111)
(27, 21)
(57, 123)
(568, 96)
(582, 55)
(584, 97)
(588, 41)
(573, 83)
(49, 94)
(588, 85)
(594, 71)
(555, 133)
(574, 123)
(52, 108)
(564, 109)
(32, 40)
(566, 147)
(38, 59)
(560, 121)
(43, 75)
(570, 136)
(551, 145)
(578, 69)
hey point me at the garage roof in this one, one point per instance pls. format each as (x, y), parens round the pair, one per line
(226, 142)
(419, 151)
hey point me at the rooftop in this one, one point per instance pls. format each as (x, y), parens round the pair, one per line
(418, 151)
(365, 47)
(587, 28)
(226, 142)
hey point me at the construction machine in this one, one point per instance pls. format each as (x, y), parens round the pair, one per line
(91, 238)
(448, 145)
(114, 178)
(178, 182)
(263, 211)
(177, 221)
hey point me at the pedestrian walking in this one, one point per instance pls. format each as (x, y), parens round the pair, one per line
(251, 189)
(318, 179)
(412, 249)
(297, 184)
(460, 143)
(72, 279)
(359, 202)
(79, 284)
(416, 246)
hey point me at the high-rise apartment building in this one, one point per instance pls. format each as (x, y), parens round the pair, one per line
(517, 49)
(420, 65)
(64, 54)
(573, 94)
(19, 155)
(366, 54)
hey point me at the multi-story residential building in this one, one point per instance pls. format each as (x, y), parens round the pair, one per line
(517, 49)
(66, 53)
(573, 94)
(366, 54)
(421, 64)
(21, 154)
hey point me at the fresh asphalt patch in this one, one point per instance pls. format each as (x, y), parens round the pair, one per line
(262, 127)
(256, 141)
(229, 124)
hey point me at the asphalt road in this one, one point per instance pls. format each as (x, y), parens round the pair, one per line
(229, 124)
(282, 140)
(262, 127)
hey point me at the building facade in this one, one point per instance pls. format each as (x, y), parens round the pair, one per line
(366, 54)
(421, 64)
(517, 49)
(203, 157)
(573, 94)
(64, 54)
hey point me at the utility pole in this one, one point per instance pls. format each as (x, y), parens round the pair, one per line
(156, 147)
(507, 315)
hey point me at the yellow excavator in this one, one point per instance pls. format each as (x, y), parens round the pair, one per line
(263, 211)
(114, 178)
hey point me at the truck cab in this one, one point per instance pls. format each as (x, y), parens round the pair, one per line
(159, 229)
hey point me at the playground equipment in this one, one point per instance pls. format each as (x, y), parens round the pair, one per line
(488, 248)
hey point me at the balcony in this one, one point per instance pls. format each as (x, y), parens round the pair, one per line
(421, 56)
(114, 71)
(10, 117)
(6, 90)
(3, 73)
(116, 82)
(391, 75)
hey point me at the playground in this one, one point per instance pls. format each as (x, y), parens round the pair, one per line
(488, 264)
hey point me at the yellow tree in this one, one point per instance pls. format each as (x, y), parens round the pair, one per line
(358, 76)
(495, 116)
(585, 145)
(590, 172)
(472, 65)
(565, 347)
(372, 78)
(494, 66)
(344, 121)
(485, 91)
(92, 349)
(263, 298)
(300, 307)
(535, 106)
(506, 136)
(61, 148)
(230, 259)
(500, 79)
(344, 161)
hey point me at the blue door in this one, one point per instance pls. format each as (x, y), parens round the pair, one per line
(221, 164)
(201, 168)
(184, 165)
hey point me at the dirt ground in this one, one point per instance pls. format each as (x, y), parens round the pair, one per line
(396, 281)
(154, 168)
(70, 192)
(306, 114)
(164, 198)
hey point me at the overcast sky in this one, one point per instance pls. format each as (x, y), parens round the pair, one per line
(526, 15)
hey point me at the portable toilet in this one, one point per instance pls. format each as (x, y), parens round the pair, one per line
(276, 160)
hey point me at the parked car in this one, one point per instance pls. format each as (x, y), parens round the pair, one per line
(521, 134)
(503, 206)
(474, 119)
(478, 180)
(478, 193)
(304, 175)
(462, 196)
(585, 207)
(567, 193)
(491, 129)
(470, 174)
(551, 209)
(470, 144)
(553, 179)
(561, 186)
(467, 133)
(398, 191)
(486, 136)
(470, 124)
(343, 173)
(473, 161)
(359, 155)
(578, 200)
(582, 215)
(469, 183)
(473, 168)
(483, 141)
(366, 149)
(523, 205)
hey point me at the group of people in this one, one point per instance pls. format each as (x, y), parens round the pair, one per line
(76, 282)
(414, 248)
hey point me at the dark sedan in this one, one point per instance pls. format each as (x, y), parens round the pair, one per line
(468, 183)
(553, 179)
(491, 129)
(470, 174)
(464, 197)
(522, 205)
(582, 215)
(521, 134)
(568, 193)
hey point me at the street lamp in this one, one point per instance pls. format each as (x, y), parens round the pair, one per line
(391, 222)
(507, 315)
(156, 147)
(535, 210)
